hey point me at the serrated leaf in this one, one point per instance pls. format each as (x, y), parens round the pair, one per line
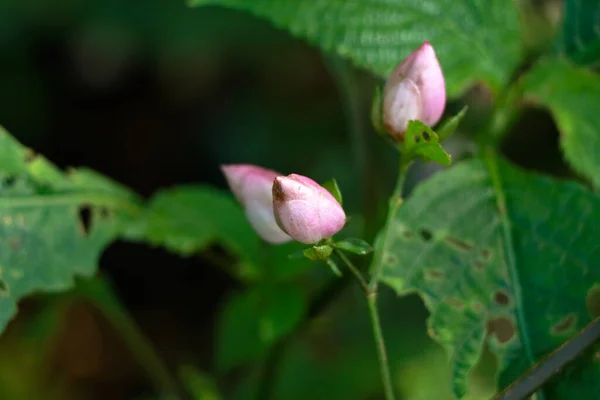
(580, 38)
(253, 320)
(450, 125)
(420, 140)
(53, 226)
(498, 255)
(354, 245)
(332, 187)
(572, 94)
(474, 39)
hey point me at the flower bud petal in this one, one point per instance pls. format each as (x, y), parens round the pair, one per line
(414, 91)
(253, 188)
(305, 210)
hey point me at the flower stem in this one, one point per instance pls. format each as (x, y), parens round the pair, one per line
(355, 271)
(380, 344)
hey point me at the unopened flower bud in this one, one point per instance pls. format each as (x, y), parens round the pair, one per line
(253, 188)
(414, 91)
(305, 210)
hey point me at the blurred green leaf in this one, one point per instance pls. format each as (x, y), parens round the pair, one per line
(354, 245)
(474, 39)
(450, 125)
(253, 320)
(572, 94)
(580, 38)
(188, 219)
(333, 188)
(499, 253)
(200, 385)
(54, 226)
(420, 140)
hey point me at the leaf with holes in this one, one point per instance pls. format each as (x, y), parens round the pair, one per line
(474, 39)
(498, 255)
(53, 226)
(580, 37)
(253, 320)
(572, 94)
(421, 141)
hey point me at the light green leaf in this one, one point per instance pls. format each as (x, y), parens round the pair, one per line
(474, 39)
(318, 253)
(333, 188)
(572, 94)
(53, 226)
(354, 245)
(420, 140)
(580, 38)
(498, 255)
(251, 321)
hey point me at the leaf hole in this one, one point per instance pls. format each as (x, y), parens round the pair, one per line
(390, 259)
(564, 326)
(501, 298)
(8, 181)
(592, 301)
(478, 265)
(502, 328)
(3, 287)
(458, 244)
(425, 234)
(417, 139)
(486, 254)
(435, 274)
(85, 219)
(426, 136)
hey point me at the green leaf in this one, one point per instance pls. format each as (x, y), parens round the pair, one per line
(474, 39)
(580, 38)
(54, 226)
(377, 112)
(199, 384)
(420, 140)
(450, 125)
(318, 253)
(354, 245)
(572, 94)
(188, 219)
(333, 188)
(498, 255)
(253, 320)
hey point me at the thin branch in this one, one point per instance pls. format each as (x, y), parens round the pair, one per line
(552, 364)
(355, 271)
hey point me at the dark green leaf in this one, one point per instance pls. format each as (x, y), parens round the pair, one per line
(580, 38)
(253, 320)
(354, 245)
(450, 125)
(333, 188)
(318, 253)
(54, 225)
(421, 141)
(500, 255)
(572, 94)
(474, 39)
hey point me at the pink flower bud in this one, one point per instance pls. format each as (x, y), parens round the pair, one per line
(414, 91)
(253, 187)
(305, 210)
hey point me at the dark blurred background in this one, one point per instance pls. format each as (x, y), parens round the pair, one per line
(155, 94)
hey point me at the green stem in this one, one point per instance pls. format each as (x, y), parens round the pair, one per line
(394, 204)
(355, 271)
(386, 377)
(99, 292)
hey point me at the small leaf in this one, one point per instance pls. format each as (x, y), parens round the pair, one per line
(253, 320)
(318, 253)
(420, 140)
(354, 245)
(450, 125)
(377, 112)
(333, 188)
(334, 268)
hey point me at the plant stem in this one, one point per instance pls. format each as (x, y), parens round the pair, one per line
(380, 344)
(355, 271)
(552, 364)
(394, 204)
(99, 292)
